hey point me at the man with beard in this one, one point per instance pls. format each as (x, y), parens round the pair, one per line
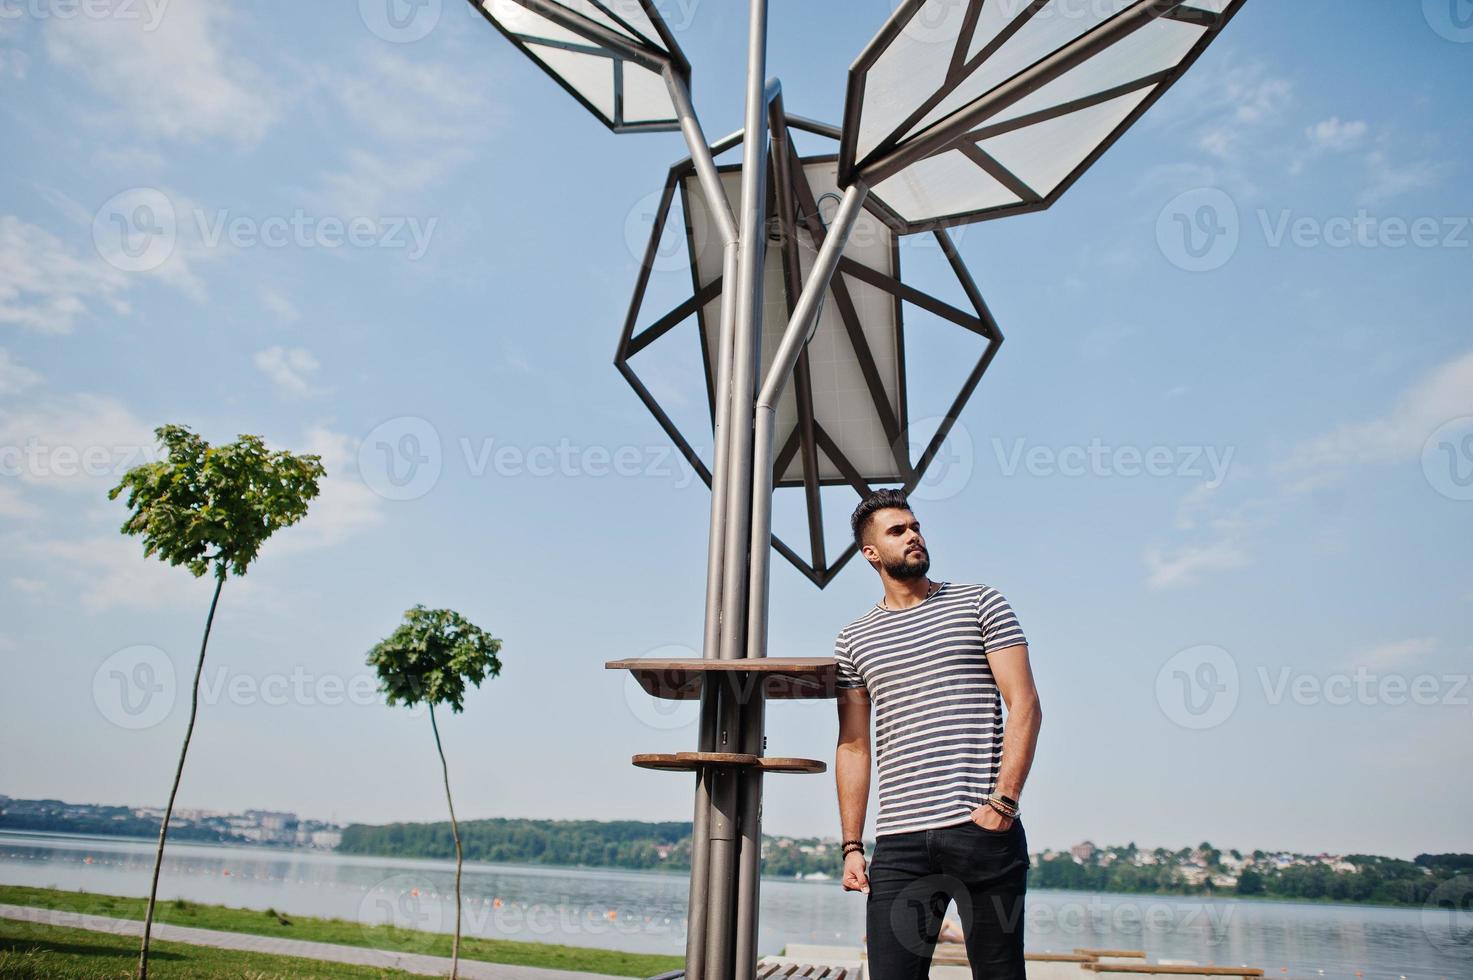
(933, 658)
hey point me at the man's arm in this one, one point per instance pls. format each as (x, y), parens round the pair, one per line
(1014, 677)
(851, 774)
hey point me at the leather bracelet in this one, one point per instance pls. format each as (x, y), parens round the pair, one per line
(1002, 808)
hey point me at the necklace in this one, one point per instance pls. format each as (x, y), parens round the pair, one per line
(935, 587)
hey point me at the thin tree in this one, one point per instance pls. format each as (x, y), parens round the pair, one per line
(209, 507)
(429, 659)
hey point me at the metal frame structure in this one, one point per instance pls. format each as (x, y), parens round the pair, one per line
(968, 126)
(793, 207)
(730, 763)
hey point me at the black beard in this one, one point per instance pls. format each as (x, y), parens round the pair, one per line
(905, 569)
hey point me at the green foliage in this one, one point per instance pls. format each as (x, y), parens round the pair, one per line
(431, 656)
(206, 503)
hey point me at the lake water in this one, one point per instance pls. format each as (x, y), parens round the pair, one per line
(644, 911)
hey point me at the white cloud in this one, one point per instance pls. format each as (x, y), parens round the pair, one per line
(44, 286)
(279, 306)
(1443, 393)
(177, 80)
(13, 505)
(15, 377)
(1390, 179)
(421, 120)
(109, 571)
(1333, 135)
(1184, 566)
(344, 504)
(1394, 654)
(82, 443)
(29, 586)
(288, 368)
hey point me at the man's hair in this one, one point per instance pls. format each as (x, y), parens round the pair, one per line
(876, 500)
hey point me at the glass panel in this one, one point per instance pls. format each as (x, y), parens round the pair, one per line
(632, 12)
(646, 99)
(1043, 154)
(1155, 47)
(591, 75)
(910, 70)
(1050, 29)
(946, 184)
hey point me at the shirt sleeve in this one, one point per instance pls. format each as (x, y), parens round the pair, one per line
(847, 677)
(1000, 627)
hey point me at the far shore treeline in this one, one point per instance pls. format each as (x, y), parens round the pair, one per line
(665, 846)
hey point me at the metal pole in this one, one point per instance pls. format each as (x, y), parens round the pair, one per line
(746, 361)
(720, 209)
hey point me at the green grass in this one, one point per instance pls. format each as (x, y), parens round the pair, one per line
(346, 932)
(29, 951)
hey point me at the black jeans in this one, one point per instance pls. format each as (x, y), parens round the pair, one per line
(912, 878)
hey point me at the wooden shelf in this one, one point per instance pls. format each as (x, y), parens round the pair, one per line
(692, 761)
(680, 679)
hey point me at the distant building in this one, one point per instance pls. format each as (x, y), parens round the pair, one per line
(1083, 852)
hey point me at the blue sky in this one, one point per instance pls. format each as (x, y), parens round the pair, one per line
(1262, 641)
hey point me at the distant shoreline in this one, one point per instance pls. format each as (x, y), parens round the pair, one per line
(449, 863)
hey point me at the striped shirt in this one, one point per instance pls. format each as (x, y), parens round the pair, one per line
(938, 717)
